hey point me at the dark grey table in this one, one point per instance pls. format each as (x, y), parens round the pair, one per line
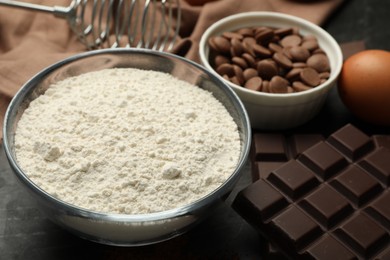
(26, 234)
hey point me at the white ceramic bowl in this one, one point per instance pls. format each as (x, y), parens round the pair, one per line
(278, 111)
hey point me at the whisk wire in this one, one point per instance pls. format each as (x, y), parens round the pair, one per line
(86, 29)
(170, 18)
(178, 22)
(151, 24)
(160, 30)
(118, 25)
(105, 32)
(94, 21)
(94, 11)
(132, 30)
(144, 21)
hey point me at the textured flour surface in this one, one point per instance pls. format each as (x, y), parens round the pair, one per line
(127, 141)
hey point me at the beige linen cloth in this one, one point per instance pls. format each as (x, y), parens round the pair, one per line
(31, 41)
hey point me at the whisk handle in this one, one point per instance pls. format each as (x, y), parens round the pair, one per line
(58, 11)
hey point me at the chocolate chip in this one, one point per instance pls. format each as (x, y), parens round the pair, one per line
(319, 62)
(245, 31)
(249, 40)
(284, 31)
(235, 80)
(267, 69)
(240, 62)
(294, 74)
(282, 60)
(254, 83)
(275, 47)
(318, 50)
(221, 44)
(260, 29)
(220, 59)
(310, 45)
(261, 51)
(239, 74)
(310, 77)
(298, 53)
(248, 48)
(278, 85)
(298, 86)
(265, 86)
(324, 75)
(237, 47)
(249, 59)
(231, 35)
(225, 69)
(286, 52)
(249, 73)
(291, 40)
(264, 36)
(299, 65)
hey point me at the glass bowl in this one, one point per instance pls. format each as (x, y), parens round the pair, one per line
(118, 229)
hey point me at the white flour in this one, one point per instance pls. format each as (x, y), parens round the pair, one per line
(127, 141)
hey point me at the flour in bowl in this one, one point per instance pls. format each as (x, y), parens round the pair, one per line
(127, 141)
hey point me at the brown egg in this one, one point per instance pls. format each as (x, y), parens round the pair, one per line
(364, 86)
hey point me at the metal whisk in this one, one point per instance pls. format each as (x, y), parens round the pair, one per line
(152, 24)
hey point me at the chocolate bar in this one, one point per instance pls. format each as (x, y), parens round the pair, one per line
(329, 201)
(271, 150)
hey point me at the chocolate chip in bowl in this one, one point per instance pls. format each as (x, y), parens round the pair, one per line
(265, 53)
(281, 66)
